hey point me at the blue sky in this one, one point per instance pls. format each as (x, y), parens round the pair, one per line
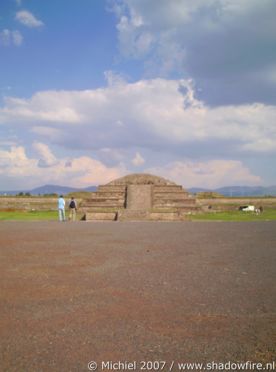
(92, 90)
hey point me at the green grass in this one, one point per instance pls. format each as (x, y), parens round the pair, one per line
(30, 216)
(267, 215)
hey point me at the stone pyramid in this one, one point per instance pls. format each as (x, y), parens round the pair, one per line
(139, 197)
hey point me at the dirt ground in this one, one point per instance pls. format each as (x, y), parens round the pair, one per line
(72, 293)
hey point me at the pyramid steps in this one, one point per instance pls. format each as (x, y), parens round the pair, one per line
(99, 199)
(168, 188)
(104, 204)
(170, 196)
(111, 188)
(107, 194)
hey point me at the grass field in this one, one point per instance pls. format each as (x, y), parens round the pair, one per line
(28, 215)
(267, 215)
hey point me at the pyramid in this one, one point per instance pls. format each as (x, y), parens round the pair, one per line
(139, 197)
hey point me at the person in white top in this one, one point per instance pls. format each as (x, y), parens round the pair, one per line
(61, 208)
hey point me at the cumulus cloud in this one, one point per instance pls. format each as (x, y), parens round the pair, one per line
(47, 158)
(20, 169)
(17, 38)
(209, 174)
(28, 19)
(213, 41)
(43, 107)
(153, 114)
(138, 160)
(10, 37)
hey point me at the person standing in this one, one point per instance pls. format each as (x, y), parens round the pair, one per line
(72, 209)
(61, 208)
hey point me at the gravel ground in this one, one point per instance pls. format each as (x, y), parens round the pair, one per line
(71, 293)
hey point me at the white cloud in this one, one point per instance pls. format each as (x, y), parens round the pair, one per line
(28, 172)
(133, 42)
(17, 38)
(149, 113)
(213, 41)
(28, 19)
(47, 158)
(147, 26)
(10, 37)
(138, 160)
(164, 19)
(43, 107)
(210, 174)
(15, 163)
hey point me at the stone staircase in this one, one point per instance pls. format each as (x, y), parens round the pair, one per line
(172, 197)
(106, 199)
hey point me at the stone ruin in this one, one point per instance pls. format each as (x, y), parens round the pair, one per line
(139, 197)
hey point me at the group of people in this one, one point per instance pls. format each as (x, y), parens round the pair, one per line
(72, 209)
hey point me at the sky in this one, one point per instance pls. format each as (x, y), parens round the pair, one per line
(92, 90)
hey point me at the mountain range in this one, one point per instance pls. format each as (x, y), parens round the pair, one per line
(49, 189)
(226, 191)
(240, 190)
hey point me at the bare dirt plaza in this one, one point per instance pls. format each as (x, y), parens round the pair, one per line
(136, 291)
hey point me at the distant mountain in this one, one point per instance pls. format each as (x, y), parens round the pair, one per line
(195, 190)
(55, 189)
(50, 189)
(247, 191)
(240, 190)
(90, 188)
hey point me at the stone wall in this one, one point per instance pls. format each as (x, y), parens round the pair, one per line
(139, 197)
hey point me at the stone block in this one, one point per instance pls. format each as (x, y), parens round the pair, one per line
(139, 197)
(166, 216)
(100, 216)
(170, 196)
(133, 215)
